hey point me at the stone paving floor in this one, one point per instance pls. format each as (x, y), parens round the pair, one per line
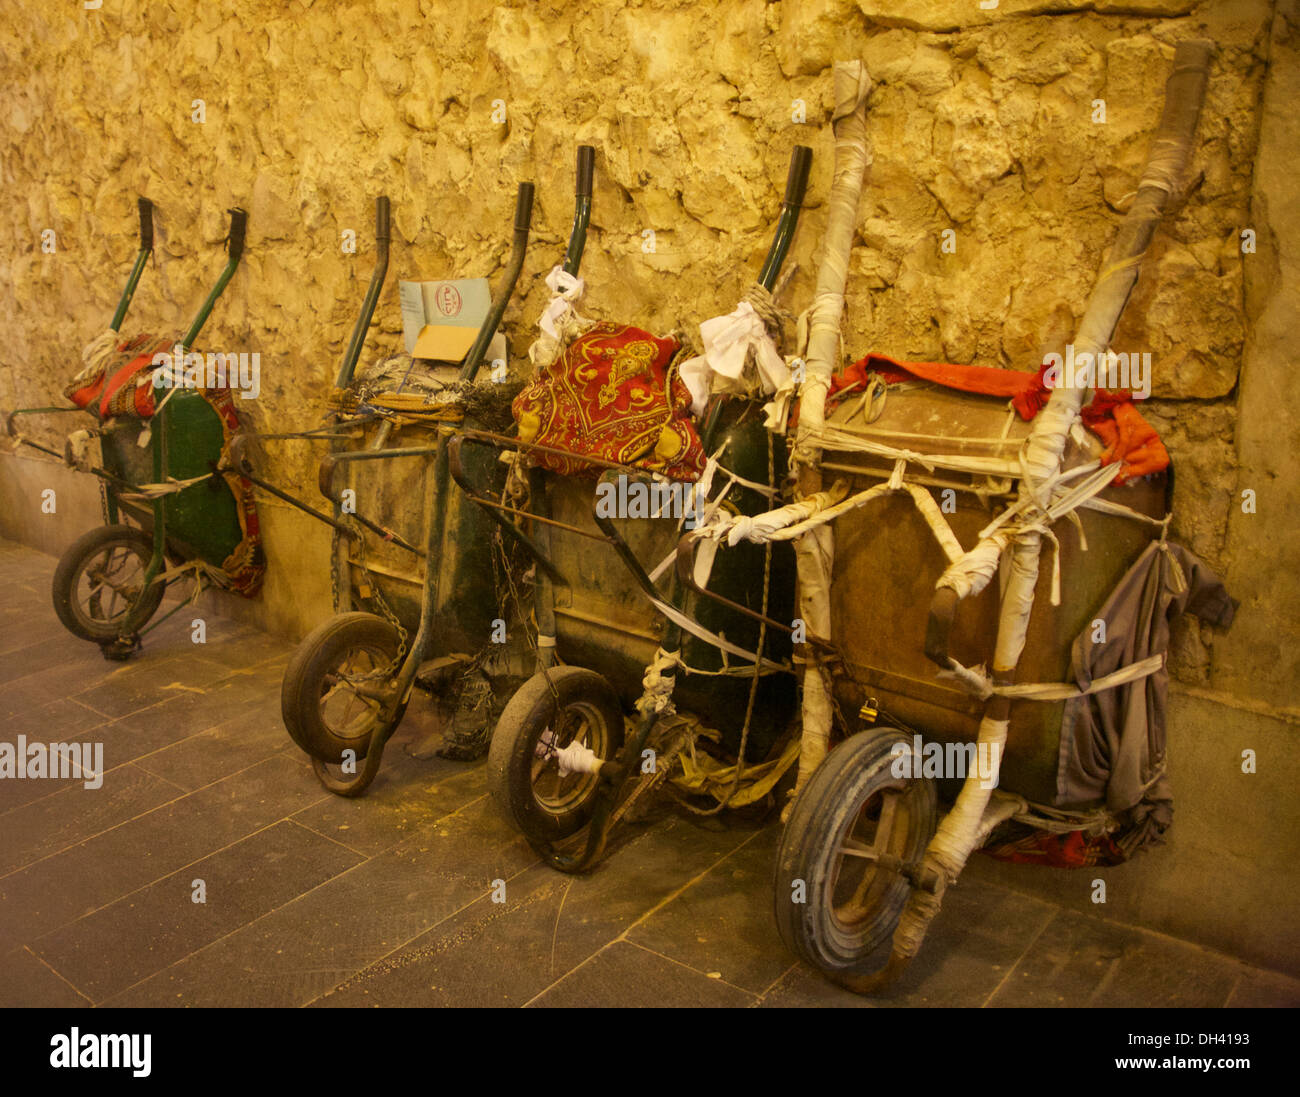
(387, 900)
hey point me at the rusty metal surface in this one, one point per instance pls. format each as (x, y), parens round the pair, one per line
(886, 563)
(392, 493)
(604, 620)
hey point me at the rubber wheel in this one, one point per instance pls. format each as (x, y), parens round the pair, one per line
(320, 706)
(852, 804)
(98, 585)
(523, 773)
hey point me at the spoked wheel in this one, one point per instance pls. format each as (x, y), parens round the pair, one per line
(329, 699)
(543, 747)
(99, 590)
(855, 825)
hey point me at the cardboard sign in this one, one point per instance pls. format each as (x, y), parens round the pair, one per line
(440, 320)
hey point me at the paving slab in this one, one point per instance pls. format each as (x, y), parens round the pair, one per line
(30, 983)
(141, 933)
(312, 944)
(627, 975)
(420, 892)
(59, 889)
(497, 953)
(1087, 961)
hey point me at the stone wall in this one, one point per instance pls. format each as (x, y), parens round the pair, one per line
(982, 122)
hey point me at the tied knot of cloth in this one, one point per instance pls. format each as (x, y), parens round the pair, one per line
(657, 684)
(559, 321)
(747, 338)
(566, 291)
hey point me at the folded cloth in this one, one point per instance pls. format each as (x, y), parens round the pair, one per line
(1073, 849)
(614, 394)
(1127, 436)
(121, 381)
(1114, 743)
(1112, 415)
(1027, 391)
(118, 381)
(728, 342)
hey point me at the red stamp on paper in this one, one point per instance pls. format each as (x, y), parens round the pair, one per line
(448, 300)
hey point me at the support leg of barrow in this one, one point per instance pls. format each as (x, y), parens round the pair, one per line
(964, 829)
(614, 776)
(121, 648)
(355, 786)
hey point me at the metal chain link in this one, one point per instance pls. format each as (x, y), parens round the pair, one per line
(377, 598)
(335, 570)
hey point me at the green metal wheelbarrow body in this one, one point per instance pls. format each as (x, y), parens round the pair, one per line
(201, 520)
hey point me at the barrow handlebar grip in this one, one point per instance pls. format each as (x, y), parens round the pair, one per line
(238, 226)
(146, 223)
(382, 223)
(796, 184)
(586, 164)
(523, 207)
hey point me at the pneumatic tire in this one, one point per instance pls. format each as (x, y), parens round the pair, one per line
(523, 773)
(835, 905)
(98, 587)
(319, 699)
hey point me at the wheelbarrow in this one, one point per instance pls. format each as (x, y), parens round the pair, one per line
(889, 499)
(154, 450)
(562, 765)
(349, 682)
(170, 451)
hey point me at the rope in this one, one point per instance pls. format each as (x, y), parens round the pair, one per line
(95, 356)
(774, 317)
(980, 685)
(754, 681)
(169, 487)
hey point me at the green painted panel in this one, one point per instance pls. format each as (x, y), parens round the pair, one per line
(202, 520)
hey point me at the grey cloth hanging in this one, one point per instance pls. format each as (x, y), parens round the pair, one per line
(1113, 743)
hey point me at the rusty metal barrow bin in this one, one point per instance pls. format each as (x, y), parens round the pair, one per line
(943, 531)
(438, 625)
(347, 687)
(350, 681)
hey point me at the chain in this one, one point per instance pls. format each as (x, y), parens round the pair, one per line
(503, 585)
(376, 596)
(663, 766)
(335, 570)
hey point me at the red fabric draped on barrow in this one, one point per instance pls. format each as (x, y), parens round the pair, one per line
(1112, 415)
(614, 394)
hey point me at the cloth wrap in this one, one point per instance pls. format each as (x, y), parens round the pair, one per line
(1112, 415)
(613, 393)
